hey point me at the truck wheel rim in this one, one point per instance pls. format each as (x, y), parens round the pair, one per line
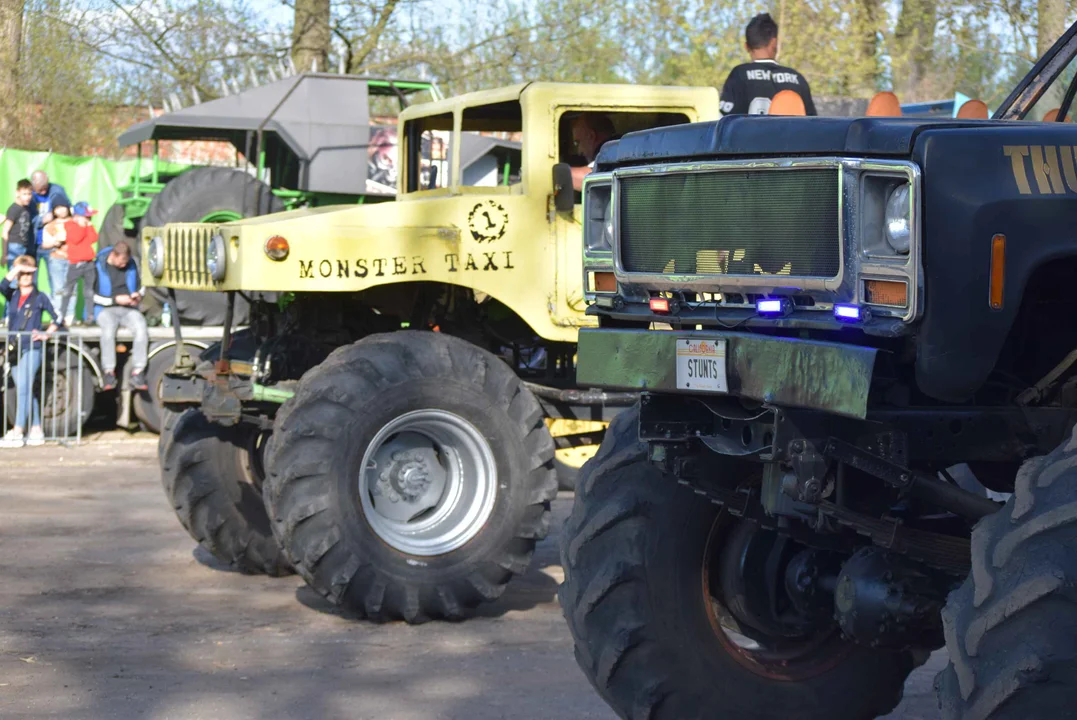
(428, 483)
(774, 659)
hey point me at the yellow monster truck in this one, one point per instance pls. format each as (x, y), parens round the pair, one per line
(389, 400)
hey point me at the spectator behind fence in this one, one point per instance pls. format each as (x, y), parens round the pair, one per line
(54, 241)
(750, 87)
(116, 298)
(47, 196)
(18, 231)
(25, 308)
(81, 236)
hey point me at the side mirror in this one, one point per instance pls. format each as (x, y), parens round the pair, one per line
(564, 197)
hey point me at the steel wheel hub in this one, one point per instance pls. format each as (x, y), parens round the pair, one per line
(428, 482)
(411, 480)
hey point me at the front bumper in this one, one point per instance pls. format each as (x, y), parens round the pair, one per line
(784, 372)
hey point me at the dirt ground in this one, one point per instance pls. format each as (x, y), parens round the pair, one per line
(107, 610)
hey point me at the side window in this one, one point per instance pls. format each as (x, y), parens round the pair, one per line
(607, 125)
(491, 145)
(428, 152)
(582, 133)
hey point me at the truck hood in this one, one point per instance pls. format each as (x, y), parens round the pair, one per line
(763, 135)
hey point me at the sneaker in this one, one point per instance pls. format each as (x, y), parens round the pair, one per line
(138, 380)
(36, 437)
(110, 382)
(13, 439)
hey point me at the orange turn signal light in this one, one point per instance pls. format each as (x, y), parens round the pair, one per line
(660, 305)
(276, 248)
(998, 272)
(886, 292)
(604, 282)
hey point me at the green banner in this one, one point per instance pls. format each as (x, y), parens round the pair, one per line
(91, 179)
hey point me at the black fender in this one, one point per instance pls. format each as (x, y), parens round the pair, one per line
(1014, 179)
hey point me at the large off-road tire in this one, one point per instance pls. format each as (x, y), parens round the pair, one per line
(211, 477)
(1011, 628)
(634, 553)
(446, 429)
(202, 193)
(113, 231)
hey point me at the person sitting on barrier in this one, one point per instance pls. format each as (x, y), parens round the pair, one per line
(26, 306)
(117, 294)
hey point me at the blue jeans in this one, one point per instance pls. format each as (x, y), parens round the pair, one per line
(57, 268)
(25, 373)
(13, 251)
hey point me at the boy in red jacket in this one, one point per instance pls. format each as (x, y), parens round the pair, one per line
(81, 237)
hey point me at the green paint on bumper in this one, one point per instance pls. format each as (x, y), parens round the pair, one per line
(778, 371)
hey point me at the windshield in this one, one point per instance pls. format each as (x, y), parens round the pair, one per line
(1059, 93)
(491, 145)
(428, 147)
(1046, 93)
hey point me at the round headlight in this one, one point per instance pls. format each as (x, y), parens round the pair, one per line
(216, 258)
(277, 248)
(897, 221)
(156, 259)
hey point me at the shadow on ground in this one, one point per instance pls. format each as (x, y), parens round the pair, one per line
(105, 612)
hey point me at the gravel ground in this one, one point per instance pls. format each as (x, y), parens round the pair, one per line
(107, 610)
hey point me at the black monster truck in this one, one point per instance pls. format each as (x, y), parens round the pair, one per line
(864, 317)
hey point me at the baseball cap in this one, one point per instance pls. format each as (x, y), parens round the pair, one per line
(83, 209)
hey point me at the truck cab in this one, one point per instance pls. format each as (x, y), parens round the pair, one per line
(475, 208)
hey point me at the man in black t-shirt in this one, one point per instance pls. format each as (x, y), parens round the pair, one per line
(750, 87)
(18, 233)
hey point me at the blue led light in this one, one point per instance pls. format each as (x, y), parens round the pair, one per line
(848, 313)
(772, 306)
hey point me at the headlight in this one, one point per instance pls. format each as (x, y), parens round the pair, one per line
(156, 259)
(896, 222)
(598, 205)
(216, 258)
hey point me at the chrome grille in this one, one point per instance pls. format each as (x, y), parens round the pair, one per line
(731, 222)
(185, 256)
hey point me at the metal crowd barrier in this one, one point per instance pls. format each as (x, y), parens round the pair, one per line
(59, 386)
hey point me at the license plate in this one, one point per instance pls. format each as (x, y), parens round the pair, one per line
(701, 365)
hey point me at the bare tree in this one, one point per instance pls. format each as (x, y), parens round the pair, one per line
(310, 35)
(157, 48)
(11, 12)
